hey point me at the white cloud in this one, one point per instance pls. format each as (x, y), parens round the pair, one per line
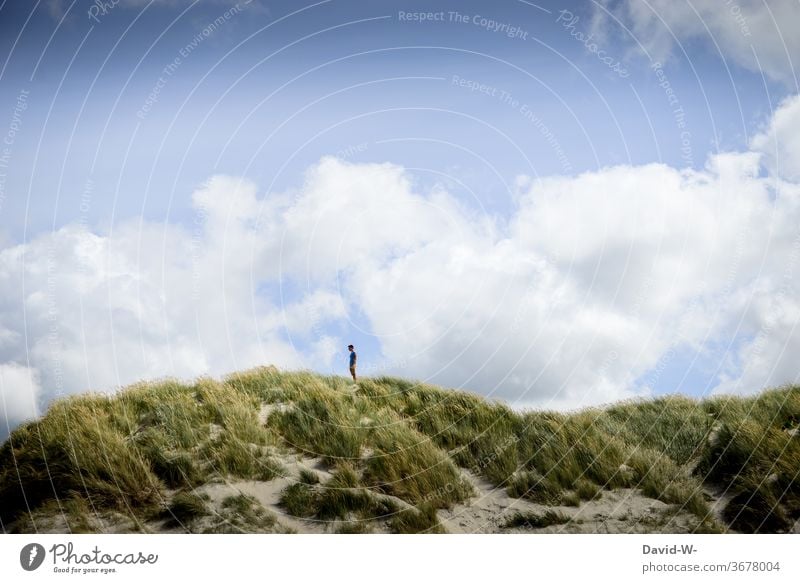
(349, 215)
(144, 301)
(780, 142)
(754, 34)
(19, 396)
(769, 356)
(598, 277)
(581, 296)
(308, 316)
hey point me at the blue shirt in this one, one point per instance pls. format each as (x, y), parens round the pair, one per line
(353, 358)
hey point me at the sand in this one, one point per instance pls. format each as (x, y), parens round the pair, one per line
(619, 511)
(268, 493)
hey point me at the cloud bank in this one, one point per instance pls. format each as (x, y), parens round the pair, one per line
(583, 295)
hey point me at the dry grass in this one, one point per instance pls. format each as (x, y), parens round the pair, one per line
(92, 454)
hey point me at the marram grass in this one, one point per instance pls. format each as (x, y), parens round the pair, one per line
(139, 454)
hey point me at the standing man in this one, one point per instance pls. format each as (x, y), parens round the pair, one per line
(353, 358)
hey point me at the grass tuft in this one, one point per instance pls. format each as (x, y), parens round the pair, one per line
(186, 507)
(422, 520)
(243, 514)
(300, 499)
(309, 477)
(534, 487)
(535, 520)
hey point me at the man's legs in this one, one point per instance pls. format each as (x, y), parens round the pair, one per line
(353, 372)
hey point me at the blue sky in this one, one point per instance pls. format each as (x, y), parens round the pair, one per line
(508, 190)
(94, 77)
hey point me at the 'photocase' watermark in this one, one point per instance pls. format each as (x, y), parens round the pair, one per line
(568, 20)
(100, 8)
(32, 556)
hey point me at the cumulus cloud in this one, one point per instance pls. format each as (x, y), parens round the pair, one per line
(143, 301)
(19, 396)
(581, 296)
(597, 279)
(780, 142)
(754, 34)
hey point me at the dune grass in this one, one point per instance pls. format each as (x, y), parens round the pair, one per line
(394, 438)
(341, 497)
(242, 514)
(186, 507)
(421, 520)
(533, 520)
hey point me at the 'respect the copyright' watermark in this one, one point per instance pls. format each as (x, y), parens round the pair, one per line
(510, 30)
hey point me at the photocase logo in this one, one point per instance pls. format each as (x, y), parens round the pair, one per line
(31, 556)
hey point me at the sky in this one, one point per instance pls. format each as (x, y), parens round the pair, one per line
(552, 204)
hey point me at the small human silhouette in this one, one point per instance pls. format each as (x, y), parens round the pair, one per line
(353, 358)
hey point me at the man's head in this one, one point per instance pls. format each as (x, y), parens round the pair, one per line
(350, 347)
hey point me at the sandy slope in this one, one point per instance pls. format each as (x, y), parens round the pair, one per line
(620, 511)
(268, 493)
